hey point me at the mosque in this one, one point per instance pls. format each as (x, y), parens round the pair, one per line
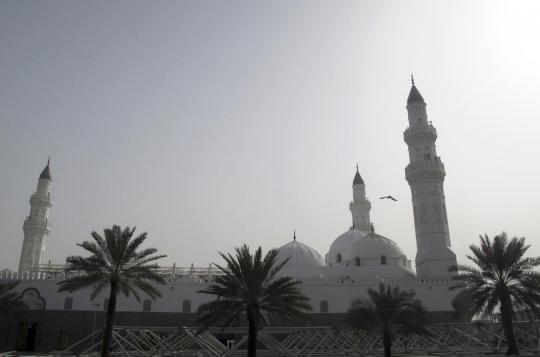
(356, 260)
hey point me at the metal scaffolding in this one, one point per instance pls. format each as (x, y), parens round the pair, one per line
(464, 339)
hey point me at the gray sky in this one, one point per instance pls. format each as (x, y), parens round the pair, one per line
(210, 124)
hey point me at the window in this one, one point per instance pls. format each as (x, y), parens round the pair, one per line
(357, 261)
(68, 303)
(323, 306)
(147, 305)
(383, 260)
(338, 258)
(105, 304)
(186, 306)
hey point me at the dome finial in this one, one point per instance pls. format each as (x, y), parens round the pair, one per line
(48, 161)
(294, 235)
(412, 79)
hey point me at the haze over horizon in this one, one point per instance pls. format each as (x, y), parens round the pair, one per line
(211, 124)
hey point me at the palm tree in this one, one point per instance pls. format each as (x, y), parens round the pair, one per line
(114, 263)
(502, 278)
(388, 311)
(11, 304)
(249, 288)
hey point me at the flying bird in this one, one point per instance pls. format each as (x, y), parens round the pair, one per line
(390, 197)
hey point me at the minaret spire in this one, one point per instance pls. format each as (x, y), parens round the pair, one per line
(425, 175)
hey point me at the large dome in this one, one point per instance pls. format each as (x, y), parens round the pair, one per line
(301, 255)
(343, 244)
(373, 246)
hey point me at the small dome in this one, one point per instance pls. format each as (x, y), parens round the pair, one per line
(343, 243)
(415, 96)
(374, 246)
(301, 255)
(46, 173)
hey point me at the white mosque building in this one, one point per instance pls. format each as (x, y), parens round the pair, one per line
(356, 260)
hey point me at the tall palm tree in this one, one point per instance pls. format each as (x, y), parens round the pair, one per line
(114, 263)
(11, 304)
(249, 288)
(502, 278)
(388, 311)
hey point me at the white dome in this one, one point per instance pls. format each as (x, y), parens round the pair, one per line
(301, 255)
(374, 246)
(343, 244)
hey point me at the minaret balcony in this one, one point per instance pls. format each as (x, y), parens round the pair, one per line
(36, 199)
(420, 132)
(425, 169)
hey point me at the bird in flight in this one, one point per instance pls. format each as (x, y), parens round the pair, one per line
(390, 197)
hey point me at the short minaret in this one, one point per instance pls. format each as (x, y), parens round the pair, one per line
(425, 175)
(36, 227)
(360, 205)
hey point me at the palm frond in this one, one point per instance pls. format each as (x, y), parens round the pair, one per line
(250, 286)
(114, 258)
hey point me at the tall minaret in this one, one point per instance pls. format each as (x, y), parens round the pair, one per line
(425, 174)
(36, 227)
(360, 205)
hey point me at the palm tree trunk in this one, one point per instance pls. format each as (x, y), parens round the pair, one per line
(387, 343)
(252, 336)
(107, 330)
(508, 325)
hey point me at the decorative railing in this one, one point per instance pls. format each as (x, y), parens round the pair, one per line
(434, 164)
(420, 130)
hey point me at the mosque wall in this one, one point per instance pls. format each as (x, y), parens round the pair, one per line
(181, 295)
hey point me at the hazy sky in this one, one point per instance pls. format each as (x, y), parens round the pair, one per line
(210, 124)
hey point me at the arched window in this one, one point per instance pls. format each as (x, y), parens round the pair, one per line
(68, 303)
(338, 258)
(323, 306)
(357, 261)
(147, 305)
(33, 299)
(186, 306)
(105, 304)
(383, 260)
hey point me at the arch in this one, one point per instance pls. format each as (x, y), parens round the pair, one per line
(68, 303)
(147, 306)
(106, 304)
(186, 306)
(383, 260)
(338, 258)
(33, 299)
(357, 261)
(323, 306)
